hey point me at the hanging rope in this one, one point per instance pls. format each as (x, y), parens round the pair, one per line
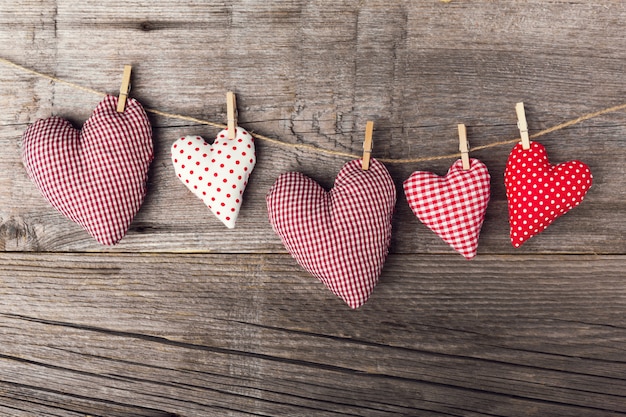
(322, 150)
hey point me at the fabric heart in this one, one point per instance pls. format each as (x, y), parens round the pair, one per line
(342, 236)
(452, 206)
(96, 176)
(217, 173)
(538, 193)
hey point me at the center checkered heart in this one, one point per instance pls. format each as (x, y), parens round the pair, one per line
(342, 236)
(452, 206)
(95, 176)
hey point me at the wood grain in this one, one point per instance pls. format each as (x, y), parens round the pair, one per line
(186, 318)
(186, 335)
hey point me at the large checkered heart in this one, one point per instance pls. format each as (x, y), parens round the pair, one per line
(95, 176)
(538, 193)
(342, 236)
(218, 173)
(452, 206)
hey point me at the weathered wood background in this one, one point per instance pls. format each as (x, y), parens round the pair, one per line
(187, 318)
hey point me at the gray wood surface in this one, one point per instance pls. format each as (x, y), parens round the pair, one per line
(187, 318)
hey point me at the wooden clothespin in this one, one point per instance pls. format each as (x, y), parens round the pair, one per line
(231, 114)
(367, 145)
(522, 125)
(124, 89)
(464, 146)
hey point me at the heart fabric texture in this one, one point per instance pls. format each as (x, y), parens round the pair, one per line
(217, 173)
(95, 176)
(342, 236)
(538, 193)
(452, 206)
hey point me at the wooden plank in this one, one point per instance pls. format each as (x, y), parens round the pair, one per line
(254, 334)
(236, 327)
(314, 73)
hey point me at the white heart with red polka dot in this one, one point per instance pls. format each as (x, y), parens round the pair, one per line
(217, 173)
(538, 193)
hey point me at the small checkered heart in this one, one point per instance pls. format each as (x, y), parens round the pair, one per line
(217, 173)
(342, 236)
(538, 193)
(95, 176)
(452, 206)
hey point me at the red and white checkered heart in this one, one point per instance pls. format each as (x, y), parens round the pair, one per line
(217, 173)
(341, 237)
(96, 176)
(538, 193)
(452, 206)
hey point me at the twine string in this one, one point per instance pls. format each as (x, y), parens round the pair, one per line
(302, 146)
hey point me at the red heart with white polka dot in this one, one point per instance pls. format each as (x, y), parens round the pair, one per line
(538, 193)
(217, 173)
